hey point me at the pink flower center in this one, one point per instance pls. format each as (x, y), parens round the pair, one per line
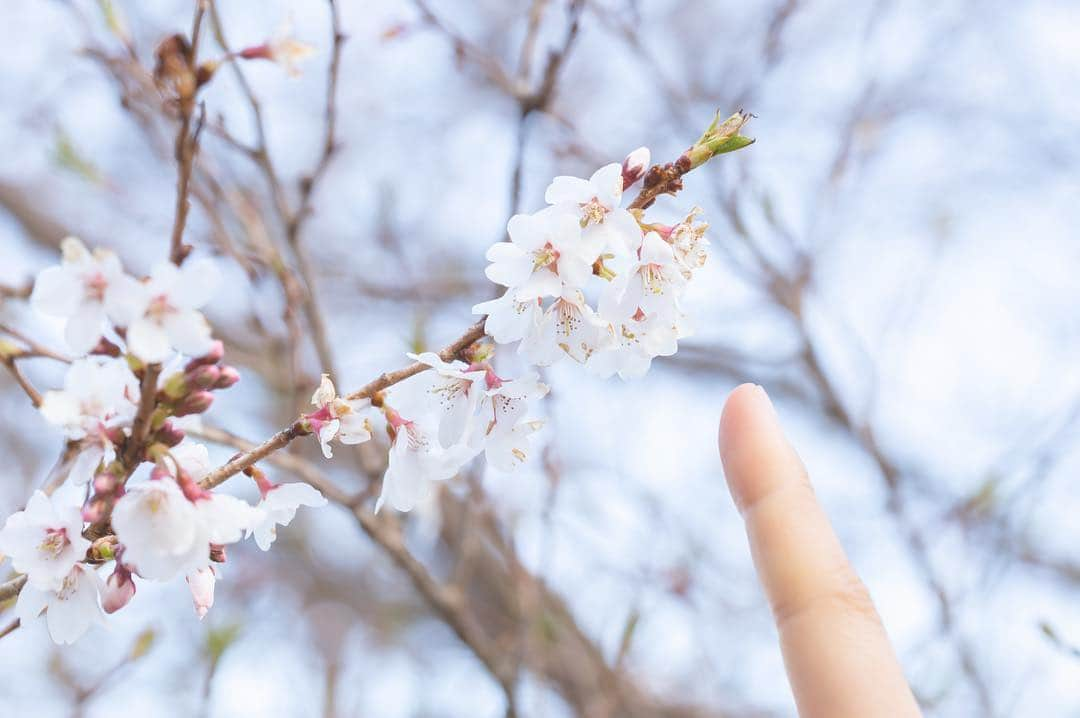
(56, 540)
(159, 307)
(94, 286)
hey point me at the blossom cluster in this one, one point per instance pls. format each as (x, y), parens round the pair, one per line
(585, 278)
(590, 280)
(131, 336)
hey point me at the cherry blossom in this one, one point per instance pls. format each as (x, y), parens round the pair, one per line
(278, 507)
(509, 320)
(595, 204)
(98, 401)
(44, 541)
(568, 327)
(70, 610)
(503, 433)
(416, 458)
(546, 252)
(283, 48)
(336, 417)
(165, 532)
(162, 314)
(450, 388)
(87, 288)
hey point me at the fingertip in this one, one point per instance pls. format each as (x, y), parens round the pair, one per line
(743, 405)
(753, 449)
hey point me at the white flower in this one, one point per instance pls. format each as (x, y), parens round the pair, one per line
(415, 459)
(509, 320)
(507, 445)
(99, 396)
(162, 314)
(569, 326)
(546, 252)
(44, 541)
(451, 391)
(339, 418)
(157, 526)
(502, 433)
(86, 289)
(689, 243)
(595, 202)
(657, 281)
(164, 533)
(201, 583)
(279, 506)
(70, 610)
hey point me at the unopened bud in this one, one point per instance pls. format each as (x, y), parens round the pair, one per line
(634, 166)
(718, 138)
(227, 377)
(216, 353)
(175, 386)
(194, 403)
(105, 483)
(94, 510)
(217, 553)
(119, 590)
(170, 435)
(204, 377)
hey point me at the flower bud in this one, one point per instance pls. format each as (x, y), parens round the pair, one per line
(105, 483)
(119, 590)
(217, 553)
(227, 377)
(170, 435)
(216, 353)
(194, 403)
(175, 386)
(204, 376)
(95, 510)
(634, 166)
(201, 583)
(718, 138)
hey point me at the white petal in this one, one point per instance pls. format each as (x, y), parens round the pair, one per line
(148, 340)
(189, 332)
(197, 282)
(57, 292)
(84, 328)
(126, 300)
(568, 189)
(607, 184)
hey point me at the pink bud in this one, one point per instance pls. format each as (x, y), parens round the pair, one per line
(169, 434)
(634, 166)
(217, 553)
(204, 376)
(228, 377)
(105, 483)
(194, 403)
(217, 351)
(119, 590)
(201, 583)
(94, 510)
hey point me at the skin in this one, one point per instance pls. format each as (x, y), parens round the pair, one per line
(838, 657)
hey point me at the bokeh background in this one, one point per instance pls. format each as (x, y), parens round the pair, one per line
(895, 260)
